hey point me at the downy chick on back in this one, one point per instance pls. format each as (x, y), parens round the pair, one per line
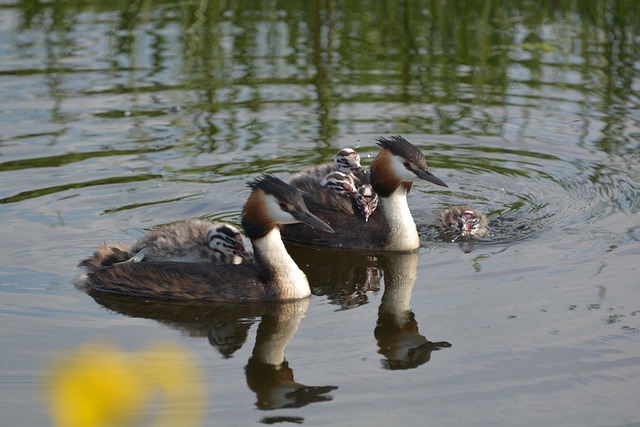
(356, 188)
(193, 240)
(347, 161)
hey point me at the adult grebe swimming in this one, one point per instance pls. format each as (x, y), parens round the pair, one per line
(464, 221)
(391, 226)
(273, 277)
(193, 240)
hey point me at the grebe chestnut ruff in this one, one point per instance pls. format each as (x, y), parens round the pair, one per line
(391, 226)
(273, 277)
(464, 221)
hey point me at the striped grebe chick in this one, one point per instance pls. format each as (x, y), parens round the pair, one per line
(362, 196)
(193, 240)
(273, 277)
(367, 200)
(464, 221)
(341, 183)
(391, 226)
(347, 161)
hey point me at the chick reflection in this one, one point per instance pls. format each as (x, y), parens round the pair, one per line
(226, 327)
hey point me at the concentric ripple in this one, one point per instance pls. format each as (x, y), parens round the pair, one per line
(528, 193)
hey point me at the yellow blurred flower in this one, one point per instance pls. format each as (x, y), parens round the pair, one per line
(99, 385)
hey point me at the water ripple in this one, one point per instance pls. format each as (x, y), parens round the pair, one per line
(527, 193)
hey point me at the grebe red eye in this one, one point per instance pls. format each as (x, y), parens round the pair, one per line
(407, 165)
(283, 206)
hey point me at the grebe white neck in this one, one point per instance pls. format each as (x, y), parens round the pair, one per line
(403, 235)
(285, 280)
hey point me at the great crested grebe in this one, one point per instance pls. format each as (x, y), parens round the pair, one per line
(273, 277)
(464, 221)
(391, 226)
(193, 240)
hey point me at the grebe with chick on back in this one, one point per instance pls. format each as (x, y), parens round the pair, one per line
(391, 226)
(273, 277)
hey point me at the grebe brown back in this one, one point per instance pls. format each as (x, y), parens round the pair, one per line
(273, 277)
(464, 221)
(391, 226)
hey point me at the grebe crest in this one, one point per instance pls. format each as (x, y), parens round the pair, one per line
(273, 277)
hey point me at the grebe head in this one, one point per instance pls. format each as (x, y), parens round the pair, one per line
(399, 161)
(367, 200)
(341, 183)
(348, 161)
(272, 203)
(227, 240)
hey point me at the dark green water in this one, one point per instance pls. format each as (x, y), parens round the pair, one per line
(116, 117)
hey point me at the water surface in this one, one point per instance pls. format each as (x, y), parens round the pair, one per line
(115, 119)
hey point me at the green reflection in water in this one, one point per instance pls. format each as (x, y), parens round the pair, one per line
(318, 65)
(25, 195)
